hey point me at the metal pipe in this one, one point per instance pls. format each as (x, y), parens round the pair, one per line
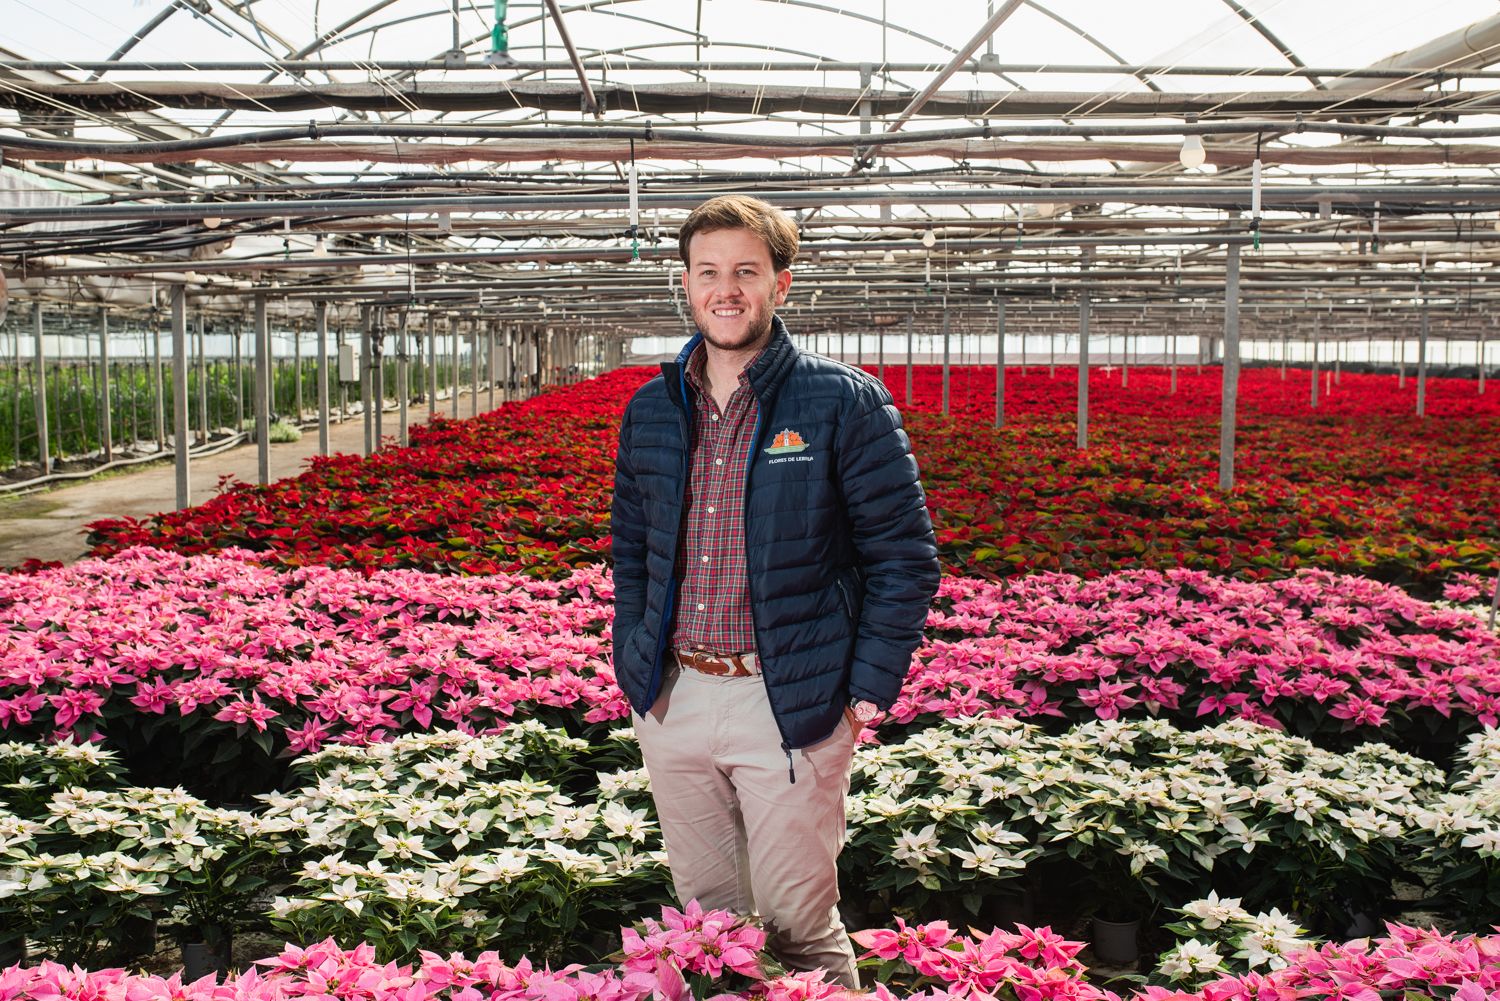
(402, 391)
(109, 430)
(320, 319)
(1000, 363)
(1230, 372)
(1422, 362)
(377, 375)
(181, 436)
(474, 369)
(366, 318)
(909, 363)
(1480, 197)
(972, 67)
(457, 373)
(203, 423)
(959, 58)
(432, 356)
(297, 369)
(39, 398)
(262, 402)
(947, 354)
(589, 100)
(158, 386)
(1083, 371)
(489, 354)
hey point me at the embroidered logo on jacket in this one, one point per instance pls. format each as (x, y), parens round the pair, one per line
(786, 443)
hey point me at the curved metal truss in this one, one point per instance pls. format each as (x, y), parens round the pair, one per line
(372, 154)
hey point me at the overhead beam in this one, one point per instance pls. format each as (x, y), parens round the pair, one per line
(117, 97)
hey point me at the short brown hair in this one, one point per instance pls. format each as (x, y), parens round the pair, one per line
(743, 212)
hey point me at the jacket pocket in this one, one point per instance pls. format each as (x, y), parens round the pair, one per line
(844, 597)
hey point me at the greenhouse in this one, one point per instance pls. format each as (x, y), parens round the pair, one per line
(1118, 478)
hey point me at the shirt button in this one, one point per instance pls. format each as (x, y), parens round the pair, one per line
(714, 417)
(710, 509)
(700, 608)
(705, 559)
(718, 462)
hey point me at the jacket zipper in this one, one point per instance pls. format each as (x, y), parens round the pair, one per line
(786, 745)
(671, 602)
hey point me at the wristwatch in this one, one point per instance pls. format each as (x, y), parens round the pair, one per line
(863, 710)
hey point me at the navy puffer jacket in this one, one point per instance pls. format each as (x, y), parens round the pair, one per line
(839, 546)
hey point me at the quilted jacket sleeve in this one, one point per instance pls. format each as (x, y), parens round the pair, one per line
(627, 538)
(893, 542)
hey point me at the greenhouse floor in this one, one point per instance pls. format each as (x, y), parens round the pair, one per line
(49, 525)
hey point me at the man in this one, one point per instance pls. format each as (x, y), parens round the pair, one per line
(774, 562)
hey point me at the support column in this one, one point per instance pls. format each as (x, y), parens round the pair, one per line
(43, 445)
(297, 368)
(261, 402)
(202, 360)
(909, 364)
(474, 369)
(1283, 357)
(108, 431)
(181, 433)
(432, 355)
(458, 375)
(1125, 361)
(1480, 353)
(1174, 363)
(489, 357)
(1083, 370)
(1422, 363)
(947, 355)
(1315, 368)
(159, 387)
(403, 391)
(1000, 364)
(377, 374)
(239, 380)
(366, 357)
(320, 319)
(1230, 370)
(1401, 363)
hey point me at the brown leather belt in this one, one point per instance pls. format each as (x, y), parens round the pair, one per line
(738, 665)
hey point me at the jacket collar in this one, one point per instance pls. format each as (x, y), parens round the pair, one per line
(766, 373)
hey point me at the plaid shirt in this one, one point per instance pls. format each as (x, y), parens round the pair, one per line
(713, 597)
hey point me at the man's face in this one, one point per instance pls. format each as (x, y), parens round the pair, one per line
(733, 288)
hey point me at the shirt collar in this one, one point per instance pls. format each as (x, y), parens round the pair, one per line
(697, 364)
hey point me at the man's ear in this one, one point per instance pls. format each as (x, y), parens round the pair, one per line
(783, 282)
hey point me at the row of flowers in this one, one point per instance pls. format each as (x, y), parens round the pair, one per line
(207, 670)
(694, 954)
(454, 841)
(1355, 487)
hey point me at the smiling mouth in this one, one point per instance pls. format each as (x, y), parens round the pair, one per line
(728, 312)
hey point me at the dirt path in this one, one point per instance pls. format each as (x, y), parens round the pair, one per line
(49, 525)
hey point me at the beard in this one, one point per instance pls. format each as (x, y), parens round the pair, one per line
(757, 326)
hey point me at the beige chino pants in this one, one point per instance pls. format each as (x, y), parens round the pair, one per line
(739, 835)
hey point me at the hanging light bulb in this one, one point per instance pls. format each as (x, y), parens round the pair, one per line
(929, 239)
(211, 222)
(1192, 153)
(320, 246)
(888, 258)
